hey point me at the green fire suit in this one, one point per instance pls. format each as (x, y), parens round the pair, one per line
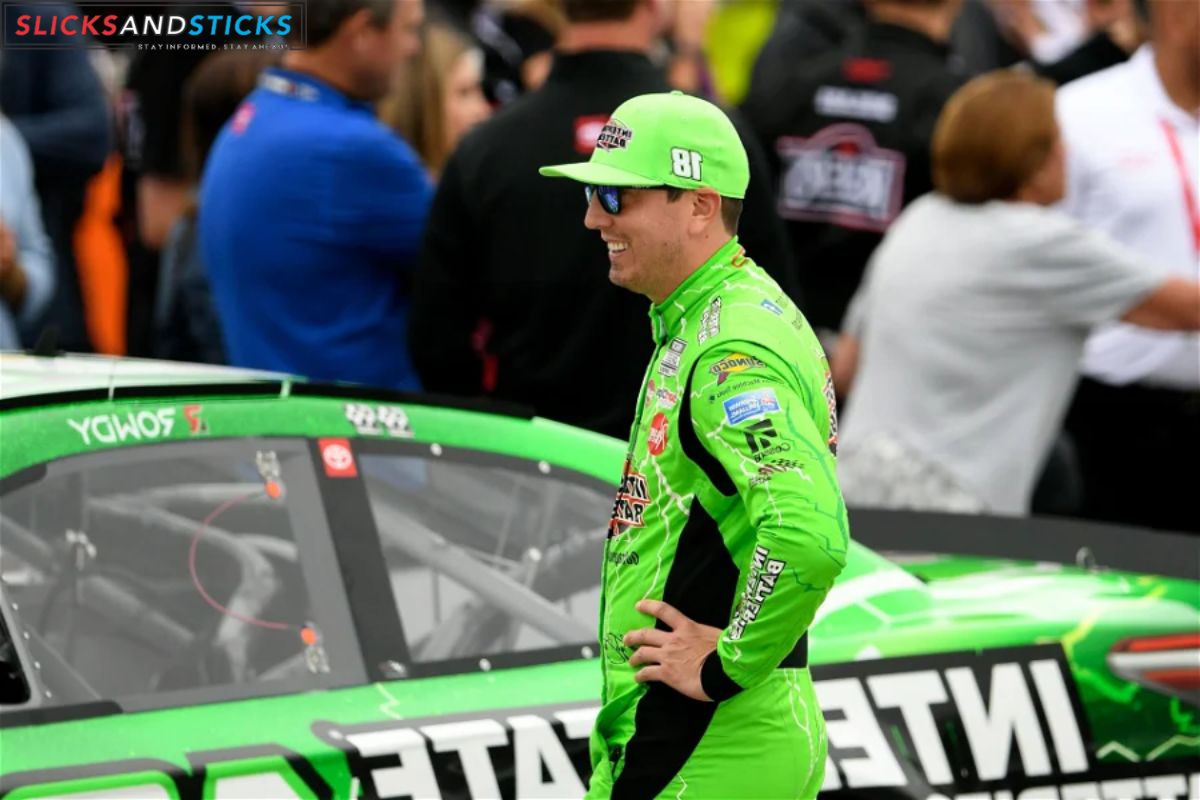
(729, 510)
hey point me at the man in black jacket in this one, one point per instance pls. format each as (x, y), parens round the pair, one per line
(512, 295)
(848, 133)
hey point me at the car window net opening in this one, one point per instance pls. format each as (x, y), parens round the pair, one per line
(174, 567)
(488, 558)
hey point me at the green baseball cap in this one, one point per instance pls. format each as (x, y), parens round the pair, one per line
(665, 140)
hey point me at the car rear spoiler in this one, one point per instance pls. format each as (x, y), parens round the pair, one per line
(1055, 540)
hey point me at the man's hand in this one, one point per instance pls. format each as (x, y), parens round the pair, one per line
(676, 656)
(12, 277)
(8, 249)
(1119, 19)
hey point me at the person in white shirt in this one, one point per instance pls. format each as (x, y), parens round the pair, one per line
(1132, 135)
(974, 313)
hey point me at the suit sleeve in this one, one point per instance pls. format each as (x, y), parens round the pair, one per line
(756, 424)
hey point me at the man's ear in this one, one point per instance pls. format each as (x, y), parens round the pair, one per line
(706, 208)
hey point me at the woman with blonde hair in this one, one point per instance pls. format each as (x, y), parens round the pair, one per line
(974, 312)
(438, 96)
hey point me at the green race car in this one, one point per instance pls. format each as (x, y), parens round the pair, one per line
(217, 583)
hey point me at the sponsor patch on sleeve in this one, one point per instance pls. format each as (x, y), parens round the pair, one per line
(733, 364)
(748, 405)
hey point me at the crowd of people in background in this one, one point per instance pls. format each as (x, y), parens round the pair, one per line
(986, 209)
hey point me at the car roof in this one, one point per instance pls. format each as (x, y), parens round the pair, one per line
(26, 376)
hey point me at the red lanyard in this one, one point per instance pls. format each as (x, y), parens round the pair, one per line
(1189, 193)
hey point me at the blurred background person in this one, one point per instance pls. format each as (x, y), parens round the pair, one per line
(1059, 39)
(803, 29)
(512, 297)
(970, 325)
(848, 136)
(516, 37)
(26, 253)
(56, 101)
(518, 43)
(686, 63)
(437, 98)
(1133, 144)
(1044, 30)
(1113, 30)
(311, 209)
(186, 324)
(156, 189)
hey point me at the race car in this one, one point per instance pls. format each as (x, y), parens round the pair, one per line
(221, 583)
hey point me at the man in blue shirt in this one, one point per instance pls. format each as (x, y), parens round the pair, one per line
(311, 211)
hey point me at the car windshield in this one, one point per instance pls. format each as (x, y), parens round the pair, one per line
(488, 555)
(13, 687)
(173, 567)
(209, 566)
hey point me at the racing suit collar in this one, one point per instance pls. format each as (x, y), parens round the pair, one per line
(668, 317)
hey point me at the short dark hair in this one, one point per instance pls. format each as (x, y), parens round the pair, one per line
(322, 18)
(731, 213)
(731, 208)
(599, 10)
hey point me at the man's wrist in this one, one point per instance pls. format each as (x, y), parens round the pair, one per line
(715, 682)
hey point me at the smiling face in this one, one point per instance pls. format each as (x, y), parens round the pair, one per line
(645, 240)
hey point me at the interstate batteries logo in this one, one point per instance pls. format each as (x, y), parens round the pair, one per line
(615, 135)
(196, 26)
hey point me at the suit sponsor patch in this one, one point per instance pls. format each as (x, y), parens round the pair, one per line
(656, 440)
(710, 321)
(748, 405)
(629, 507)
(734, 363)
(669, 366)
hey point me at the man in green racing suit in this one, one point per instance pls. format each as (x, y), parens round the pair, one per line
(728, 529)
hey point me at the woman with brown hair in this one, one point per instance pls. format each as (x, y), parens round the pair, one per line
(974, 312)
(438, 96)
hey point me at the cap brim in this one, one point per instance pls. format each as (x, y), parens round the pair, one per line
(597, 174)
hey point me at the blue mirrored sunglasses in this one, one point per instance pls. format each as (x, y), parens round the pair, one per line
(610, 196)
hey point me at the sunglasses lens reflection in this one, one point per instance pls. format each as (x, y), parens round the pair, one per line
(610, 197)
